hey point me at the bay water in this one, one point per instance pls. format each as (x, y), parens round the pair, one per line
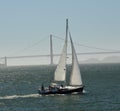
(19, 89)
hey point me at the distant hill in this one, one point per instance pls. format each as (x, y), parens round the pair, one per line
(109, 59)
(112, 59)
(91, 60)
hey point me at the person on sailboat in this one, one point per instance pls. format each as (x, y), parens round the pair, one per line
(50, 87)
(42, 87)
(62, 85)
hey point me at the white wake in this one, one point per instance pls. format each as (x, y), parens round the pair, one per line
(20, 96)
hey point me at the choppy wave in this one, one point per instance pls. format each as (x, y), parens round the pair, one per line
(20, 96)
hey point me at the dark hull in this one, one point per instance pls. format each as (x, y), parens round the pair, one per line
(61, 91)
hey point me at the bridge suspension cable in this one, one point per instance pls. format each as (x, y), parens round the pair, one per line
(106, 51)
(91, 47)
(31, 46)
(60, 38)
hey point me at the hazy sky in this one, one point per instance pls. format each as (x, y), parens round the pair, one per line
(23, 23)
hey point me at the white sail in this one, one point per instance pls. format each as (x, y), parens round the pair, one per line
(75, 78)
(60, 72)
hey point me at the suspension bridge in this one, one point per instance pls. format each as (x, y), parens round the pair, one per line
(52, 55)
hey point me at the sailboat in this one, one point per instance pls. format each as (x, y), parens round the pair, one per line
(75, 83)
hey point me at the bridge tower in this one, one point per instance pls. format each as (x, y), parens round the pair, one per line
(5, 62)
(51, 50)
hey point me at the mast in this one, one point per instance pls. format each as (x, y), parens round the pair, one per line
(66, 28)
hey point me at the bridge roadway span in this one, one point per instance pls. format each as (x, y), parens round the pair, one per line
(47, 55)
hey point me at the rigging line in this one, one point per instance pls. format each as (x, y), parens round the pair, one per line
(32, 45)
(92, 47)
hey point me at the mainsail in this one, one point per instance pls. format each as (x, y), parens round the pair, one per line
(60, 72)
(75, 78)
